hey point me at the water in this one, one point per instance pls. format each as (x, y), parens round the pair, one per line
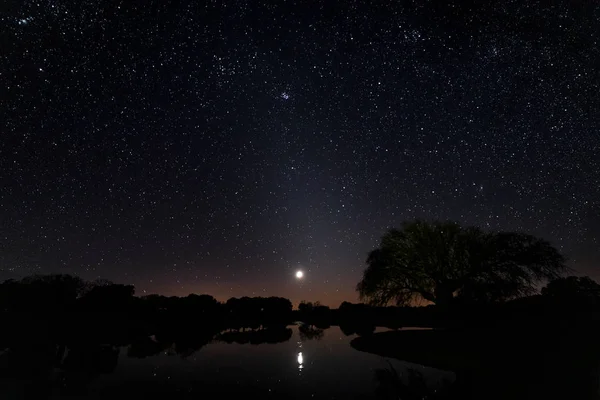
(321, 368)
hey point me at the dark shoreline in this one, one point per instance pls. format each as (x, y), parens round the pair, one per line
(522, 363)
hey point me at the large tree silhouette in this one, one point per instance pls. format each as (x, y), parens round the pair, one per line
(439, 261)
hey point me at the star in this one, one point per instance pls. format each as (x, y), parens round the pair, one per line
(296, 143)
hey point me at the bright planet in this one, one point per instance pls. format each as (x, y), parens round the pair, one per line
(299, 274)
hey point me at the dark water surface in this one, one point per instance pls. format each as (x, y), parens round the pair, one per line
(325, 367)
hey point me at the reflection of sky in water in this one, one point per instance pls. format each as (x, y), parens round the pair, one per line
(321, 368)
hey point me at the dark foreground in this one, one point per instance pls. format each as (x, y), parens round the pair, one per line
(294, 362)
(508, 363)
(62, 337)
(303, 361)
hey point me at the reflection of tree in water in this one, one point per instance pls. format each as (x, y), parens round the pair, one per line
(146, 347)
(310, 332)
(259, 336)
(93, 359)
(83, 363)
(187, 345)
(47, 368)
(185, 342)
(391, 385)
(360, 328)
(27, 369)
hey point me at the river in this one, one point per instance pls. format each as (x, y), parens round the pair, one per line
(318, 366)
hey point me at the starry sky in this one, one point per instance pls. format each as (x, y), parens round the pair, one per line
(218, 146)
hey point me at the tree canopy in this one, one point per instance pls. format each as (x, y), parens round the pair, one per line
(573, 290)
(438, 261)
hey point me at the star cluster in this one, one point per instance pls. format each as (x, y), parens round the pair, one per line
(219, 146)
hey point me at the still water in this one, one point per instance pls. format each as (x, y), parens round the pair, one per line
(324, 367)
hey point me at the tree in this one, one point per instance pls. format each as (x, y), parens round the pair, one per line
(203, 303)
(107, 296)
(439, 261)
(307, 306)
(44, 292)
(573, 290)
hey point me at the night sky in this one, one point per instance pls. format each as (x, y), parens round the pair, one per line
(218, 146)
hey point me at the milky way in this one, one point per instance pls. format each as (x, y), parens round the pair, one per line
(218, 147)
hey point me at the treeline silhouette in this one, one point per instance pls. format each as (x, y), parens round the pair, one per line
(66, 309)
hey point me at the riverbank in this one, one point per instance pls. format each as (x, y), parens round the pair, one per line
(512, 363)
